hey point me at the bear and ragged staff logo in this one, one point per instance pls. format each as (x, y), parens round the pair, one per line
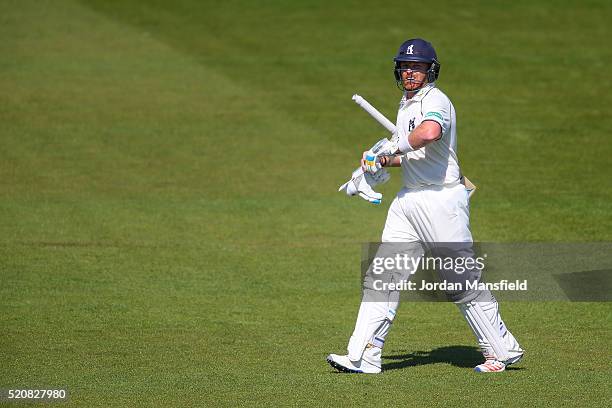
(411, 125)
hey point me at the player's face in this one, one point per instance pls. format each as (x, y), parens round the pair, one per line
(413, 74)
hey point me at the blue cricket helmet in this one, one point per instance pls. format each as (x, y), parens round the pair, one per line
(418, 50)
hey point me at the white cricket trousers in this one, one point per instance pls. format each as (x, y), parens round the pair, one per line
(429, 214)
(442, 214)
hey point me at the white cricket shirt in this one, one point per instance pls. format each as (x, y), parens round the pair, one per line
(435, 163)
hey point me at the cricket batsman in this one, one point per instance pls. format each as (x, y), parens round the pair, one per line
(432, 207)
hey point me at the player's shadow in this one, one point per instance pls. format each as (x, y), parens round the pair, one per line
(458, 356)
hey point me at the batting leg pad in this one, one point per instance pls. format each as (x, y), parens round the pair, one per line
(381, 333)
(378, 306)
(373, 324)
(490, 330)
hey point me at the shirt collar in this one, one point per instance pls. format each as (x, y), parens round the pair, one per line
(422, 92)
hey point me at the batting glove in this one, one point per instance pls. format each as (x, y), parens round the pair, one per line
(361, 183)
(370, 161)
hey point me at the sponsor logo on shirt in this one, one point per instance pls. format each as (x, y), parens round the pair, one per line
(433, 115)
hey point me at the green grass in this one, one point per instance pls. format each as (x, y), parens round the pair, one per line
(171, 231)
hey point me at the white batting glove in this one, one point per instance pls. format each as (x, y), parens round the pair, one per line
(381, 177)
(370, 161)
(361, 183)
(384, 147)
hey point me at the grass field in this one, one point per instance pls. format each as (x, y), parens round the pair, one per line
(171, 234)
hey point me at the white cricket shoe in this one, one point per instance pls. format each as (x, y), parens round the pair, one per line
(490, 366)
(370, 362)
(493, 365)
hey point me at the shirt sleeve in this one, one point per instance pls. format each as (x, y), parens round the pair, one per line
(437, 108)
